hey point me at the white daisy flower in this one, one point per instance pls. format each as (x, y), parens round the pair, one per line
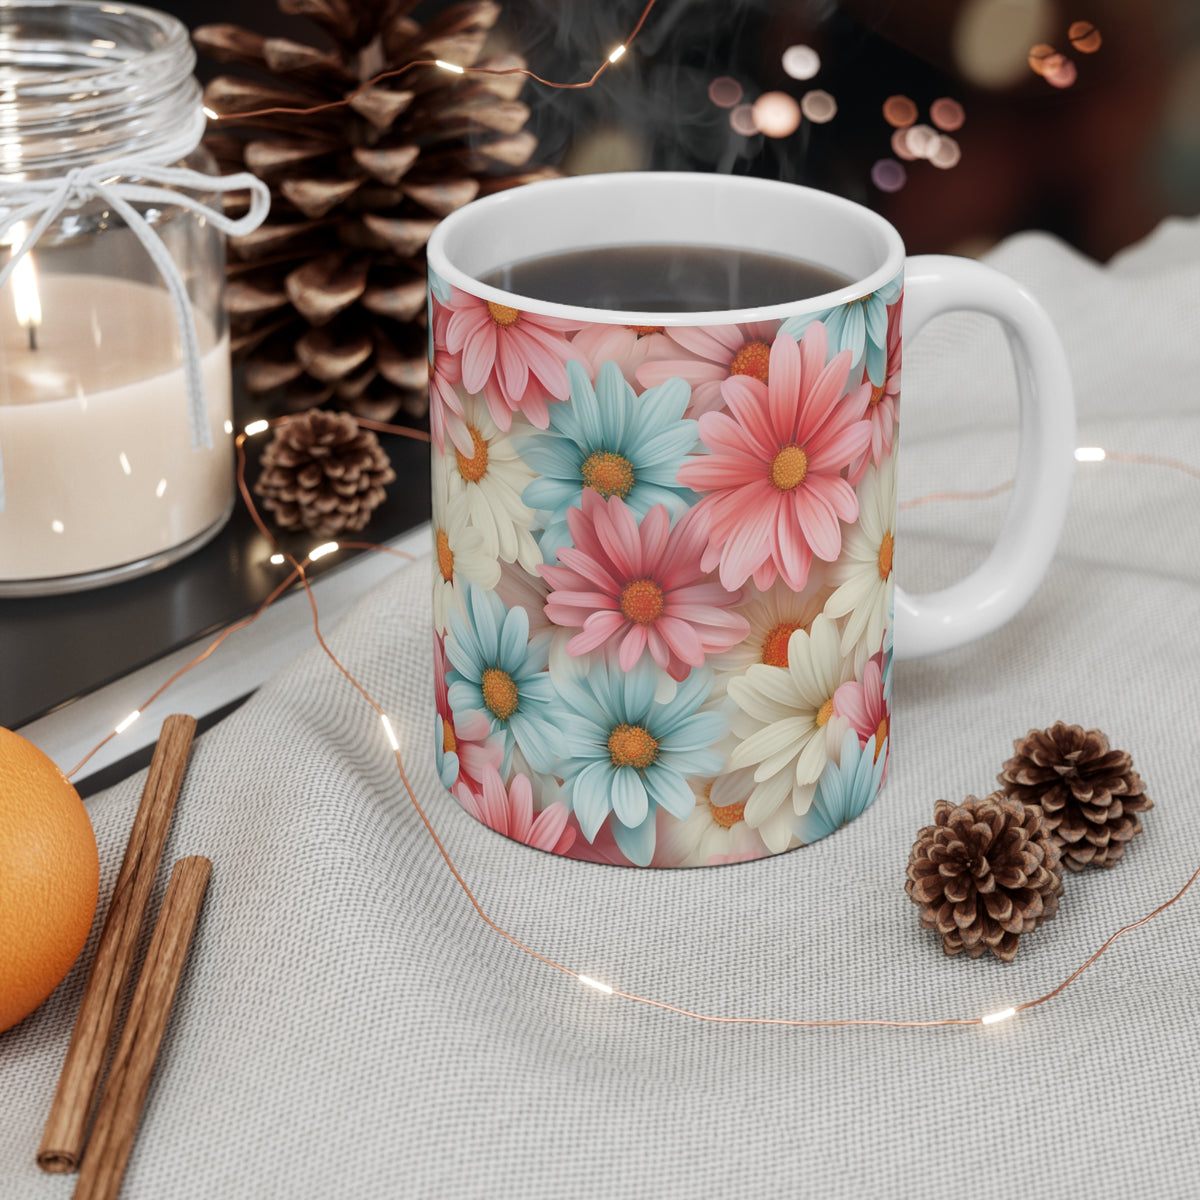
(490, 483)
(458, 551)
(774, 615)
(863, 576)
(712, 831)
(786, 724)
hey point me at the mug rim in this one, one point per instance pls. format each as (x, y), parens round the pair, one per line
(439, 261)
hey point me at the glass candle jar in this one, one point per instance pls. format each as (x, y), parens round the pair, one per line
(115, 438)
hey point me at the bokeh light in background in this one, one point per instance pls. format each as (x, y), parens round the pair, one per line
(741, 118)
(888, 175)
(801, 62)
(1059, 71)
(991, 38)
(899, 111)
(818, 106)
(724, 91)
(900, 145)
(947, 114)
(776, 114)
(945, 153)
(1085, 37)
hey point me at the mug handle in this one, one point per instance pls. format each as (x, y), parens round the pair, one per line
(999, 588)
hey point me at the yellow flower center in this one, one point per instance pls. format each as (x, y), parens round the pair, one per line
(775, 644)
(825, 712)
(753, 359)
(885, 555)
(728, 815)
(643, 330)
(632, 746)
(473, 469)
(877, 394)
(789, 468)
(881, 732)
(445, 555)
(449, 741)
(499, 692)
(642, 601)
(608, 473)
(502, 314)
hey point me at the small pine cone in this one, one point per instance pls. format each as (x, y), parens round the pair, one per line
(322, 473)
(1089, 793)
(985, 872)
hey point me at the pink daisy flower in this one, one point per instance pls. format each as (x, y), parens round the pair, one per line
(629, 346)
(446, 416)
(516, 359)
(706, 355)
(881, 408)
(864, 706)
(640, 585)
(774, 474)
(511, 812)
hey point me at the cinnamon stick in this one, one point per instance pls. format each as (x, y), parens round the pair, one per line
(120, 1108)
(66, 1126)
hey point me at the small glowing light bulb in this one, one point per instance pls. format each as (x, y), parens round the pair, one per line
(612, 58)
(129, 720)
(257, 427)
(1002, 1015)
(208, 112)
(588, 981)
(1090, 454)
(275, 559)
(320, 551)
(449, 66)
(391, 733)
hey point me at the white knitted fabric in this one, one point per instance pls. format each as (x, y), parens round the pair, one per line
(348, 1027)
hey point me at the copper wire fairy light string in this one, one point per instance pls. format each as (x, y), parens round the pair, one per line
(455, 68)
(299, 573)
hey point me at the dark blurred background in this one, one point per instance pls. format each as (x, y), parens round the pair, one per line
(1096, 139)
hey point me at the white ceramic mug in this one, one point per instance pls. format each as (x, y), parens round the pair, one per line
(663, 585)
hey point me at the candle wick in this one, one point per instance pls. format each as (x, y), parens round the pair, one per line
(32, 327)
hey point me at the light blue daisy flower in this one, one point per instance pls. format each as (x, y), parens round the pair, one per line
(447, 760)
(495, 670)
(845, 789)
(629, 755)
(612, 440)
(859, 326)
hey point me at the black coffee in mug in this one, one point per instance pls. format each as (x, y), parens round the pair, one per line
(665, 278)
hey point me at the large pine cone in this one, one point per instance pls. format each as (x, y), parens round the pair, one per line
(984, 873)
(1089, 793)
(327, 298)
(320, 472)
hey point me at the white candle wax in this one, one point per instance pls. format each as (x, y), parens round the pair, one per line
(94, 432)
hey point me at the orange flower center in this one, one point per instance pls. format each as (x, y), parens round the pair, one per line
(449, 741)
(445, 555)
(728, 815)
(608, 473)
(642, 601)
(881, 732)
(877, 394)
(788, 468)
(632, 746)
(473, 469)
(502, 314)
(775, 644)
(753, 359)
(825, 712)
(643, 330)
(499, 692)
(885, 555)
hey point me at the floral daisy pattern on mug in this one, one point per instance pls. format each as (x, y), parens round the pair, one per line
(663, 576)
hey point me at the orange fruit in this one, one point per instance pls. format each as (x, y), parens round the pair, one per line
(49, 877)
